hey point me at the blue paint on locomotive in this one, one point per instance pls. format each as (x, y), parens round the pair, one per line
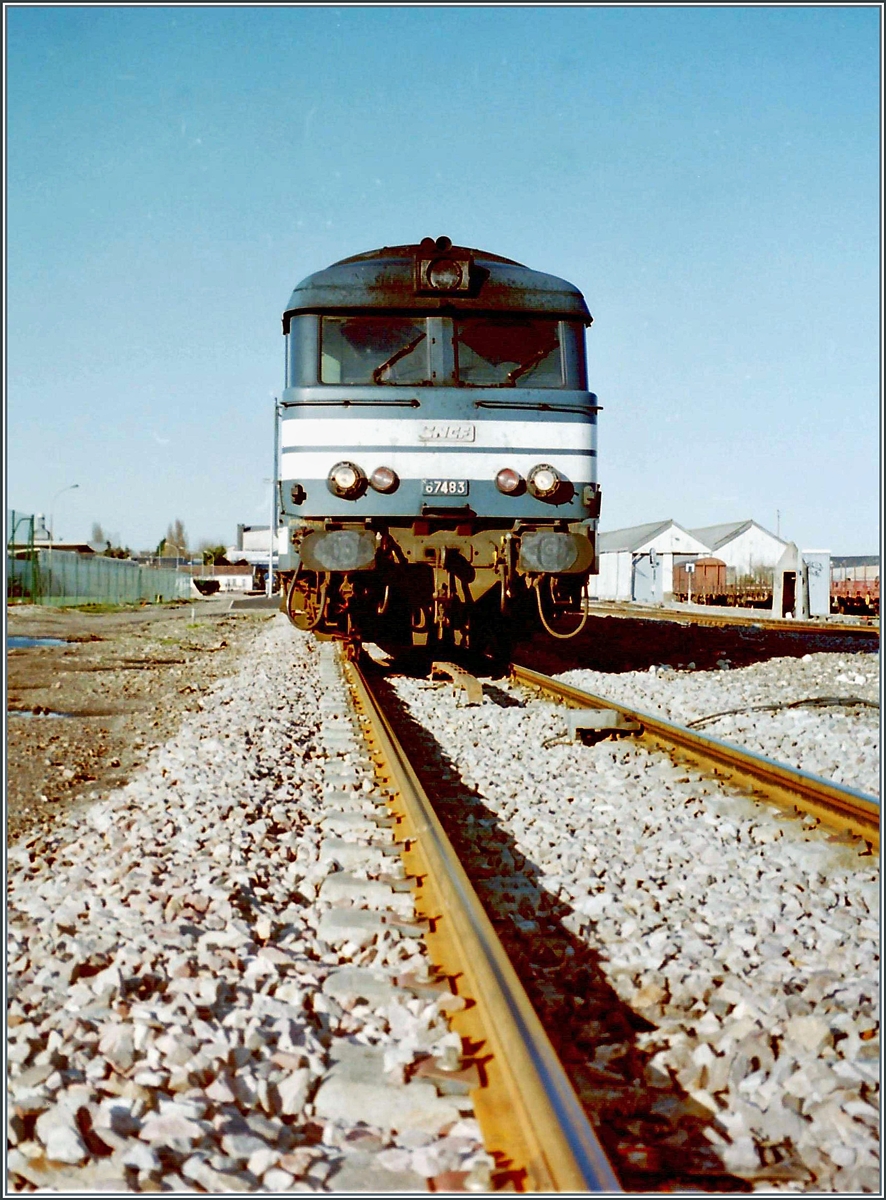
(387, 286)
(503, 433)
(483, 500)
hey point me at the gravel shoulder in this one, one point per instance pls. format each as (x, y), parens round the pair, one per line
(124, 681)
(190, 956)
(215, 978)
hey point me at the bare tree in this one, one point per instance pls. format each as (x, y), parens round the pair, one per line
(175, 544)
(97, 537)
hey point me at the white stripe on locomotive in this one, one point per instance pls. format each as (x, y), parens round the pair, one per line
(407, 431)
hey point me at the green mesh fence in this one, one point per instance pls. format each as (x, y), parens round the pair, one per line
(64, 577)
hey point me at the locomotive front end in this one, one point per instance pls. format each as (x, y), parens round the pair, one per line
(438, 447)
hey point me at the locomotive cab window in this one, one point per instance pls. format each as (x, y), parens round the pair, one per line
(374, 350)
(509, 352)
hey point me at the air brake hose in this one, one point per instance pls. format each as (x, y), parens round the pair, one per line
(563, 637)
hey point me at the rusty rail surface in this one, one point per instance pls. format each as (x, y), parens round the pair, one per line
(841, 808)
(533, 1123)
(761, 619)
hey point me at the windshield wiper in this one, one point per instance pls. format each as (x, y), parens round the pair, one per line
(512, 376)
(395, 358)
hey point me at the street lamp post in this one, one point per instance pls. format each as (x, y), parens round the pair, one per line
(69, 488)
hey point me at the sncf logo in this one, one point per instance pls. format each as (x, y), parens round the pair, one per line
(441, 431)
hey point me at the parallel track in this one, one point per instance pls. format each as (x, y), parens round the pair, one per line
(532, 1121)
(866, 630)
(838, 807)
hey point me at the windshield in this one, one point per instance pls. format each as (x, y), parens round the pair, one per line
(508, 352)
(361, 350)
(482, 351)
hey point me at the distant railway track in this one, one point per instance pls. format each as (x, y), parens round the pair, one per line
(841, 808)
(532, 1120)
(866, 628)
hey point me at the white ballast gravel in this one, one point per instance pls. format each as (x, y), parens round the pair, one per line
(750, 943)
(213, 979)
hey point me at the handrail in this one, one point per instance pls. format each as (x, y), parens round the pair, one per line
(352, 403)
(540, 406)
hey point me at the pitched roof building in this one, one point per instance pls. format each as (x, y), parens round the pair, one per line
(746, 547)
(637, 563)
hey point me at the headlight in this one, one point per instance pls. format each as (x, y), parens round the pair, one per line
(509, 481)
(543, 481)
(347, 480)
(384, 479)
(445, 275)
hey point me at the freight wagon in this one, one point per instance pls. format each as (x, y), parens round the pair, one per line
(855, 584)
(701, 580)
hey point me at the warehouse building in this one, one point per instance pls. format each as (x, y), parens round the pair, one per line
(253, 543)
(638, 563)
(747, 549)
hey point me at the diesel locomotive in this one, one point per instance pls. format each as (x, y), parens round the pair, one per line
(437, 463)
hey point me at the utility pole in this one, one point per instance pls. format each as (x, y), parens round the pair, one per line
(272, 531)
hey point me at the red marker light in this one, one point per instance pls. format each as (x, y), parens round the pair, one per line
(509, 481)
(384, 479)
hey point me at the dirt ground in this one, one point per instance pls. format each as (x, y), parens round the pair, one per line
(123, 681)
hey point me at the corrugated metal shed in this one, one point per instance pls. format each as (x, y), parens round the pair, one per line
(621, 549)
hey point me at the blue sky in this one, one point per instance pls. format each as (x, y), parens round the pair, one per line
(708, 176)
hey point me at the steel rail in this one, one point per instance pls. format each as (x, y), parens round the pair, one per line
(737, 618)
(839, 807)
(532, 1120)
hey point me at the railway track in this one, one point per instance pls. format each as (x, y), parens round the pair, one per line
(533, 1123)
(843, 809)
(247, 887)
(866, 629)
(632, 1028)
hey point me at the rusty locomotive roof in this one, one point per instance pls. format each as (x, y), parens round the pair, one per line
(394, 278)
